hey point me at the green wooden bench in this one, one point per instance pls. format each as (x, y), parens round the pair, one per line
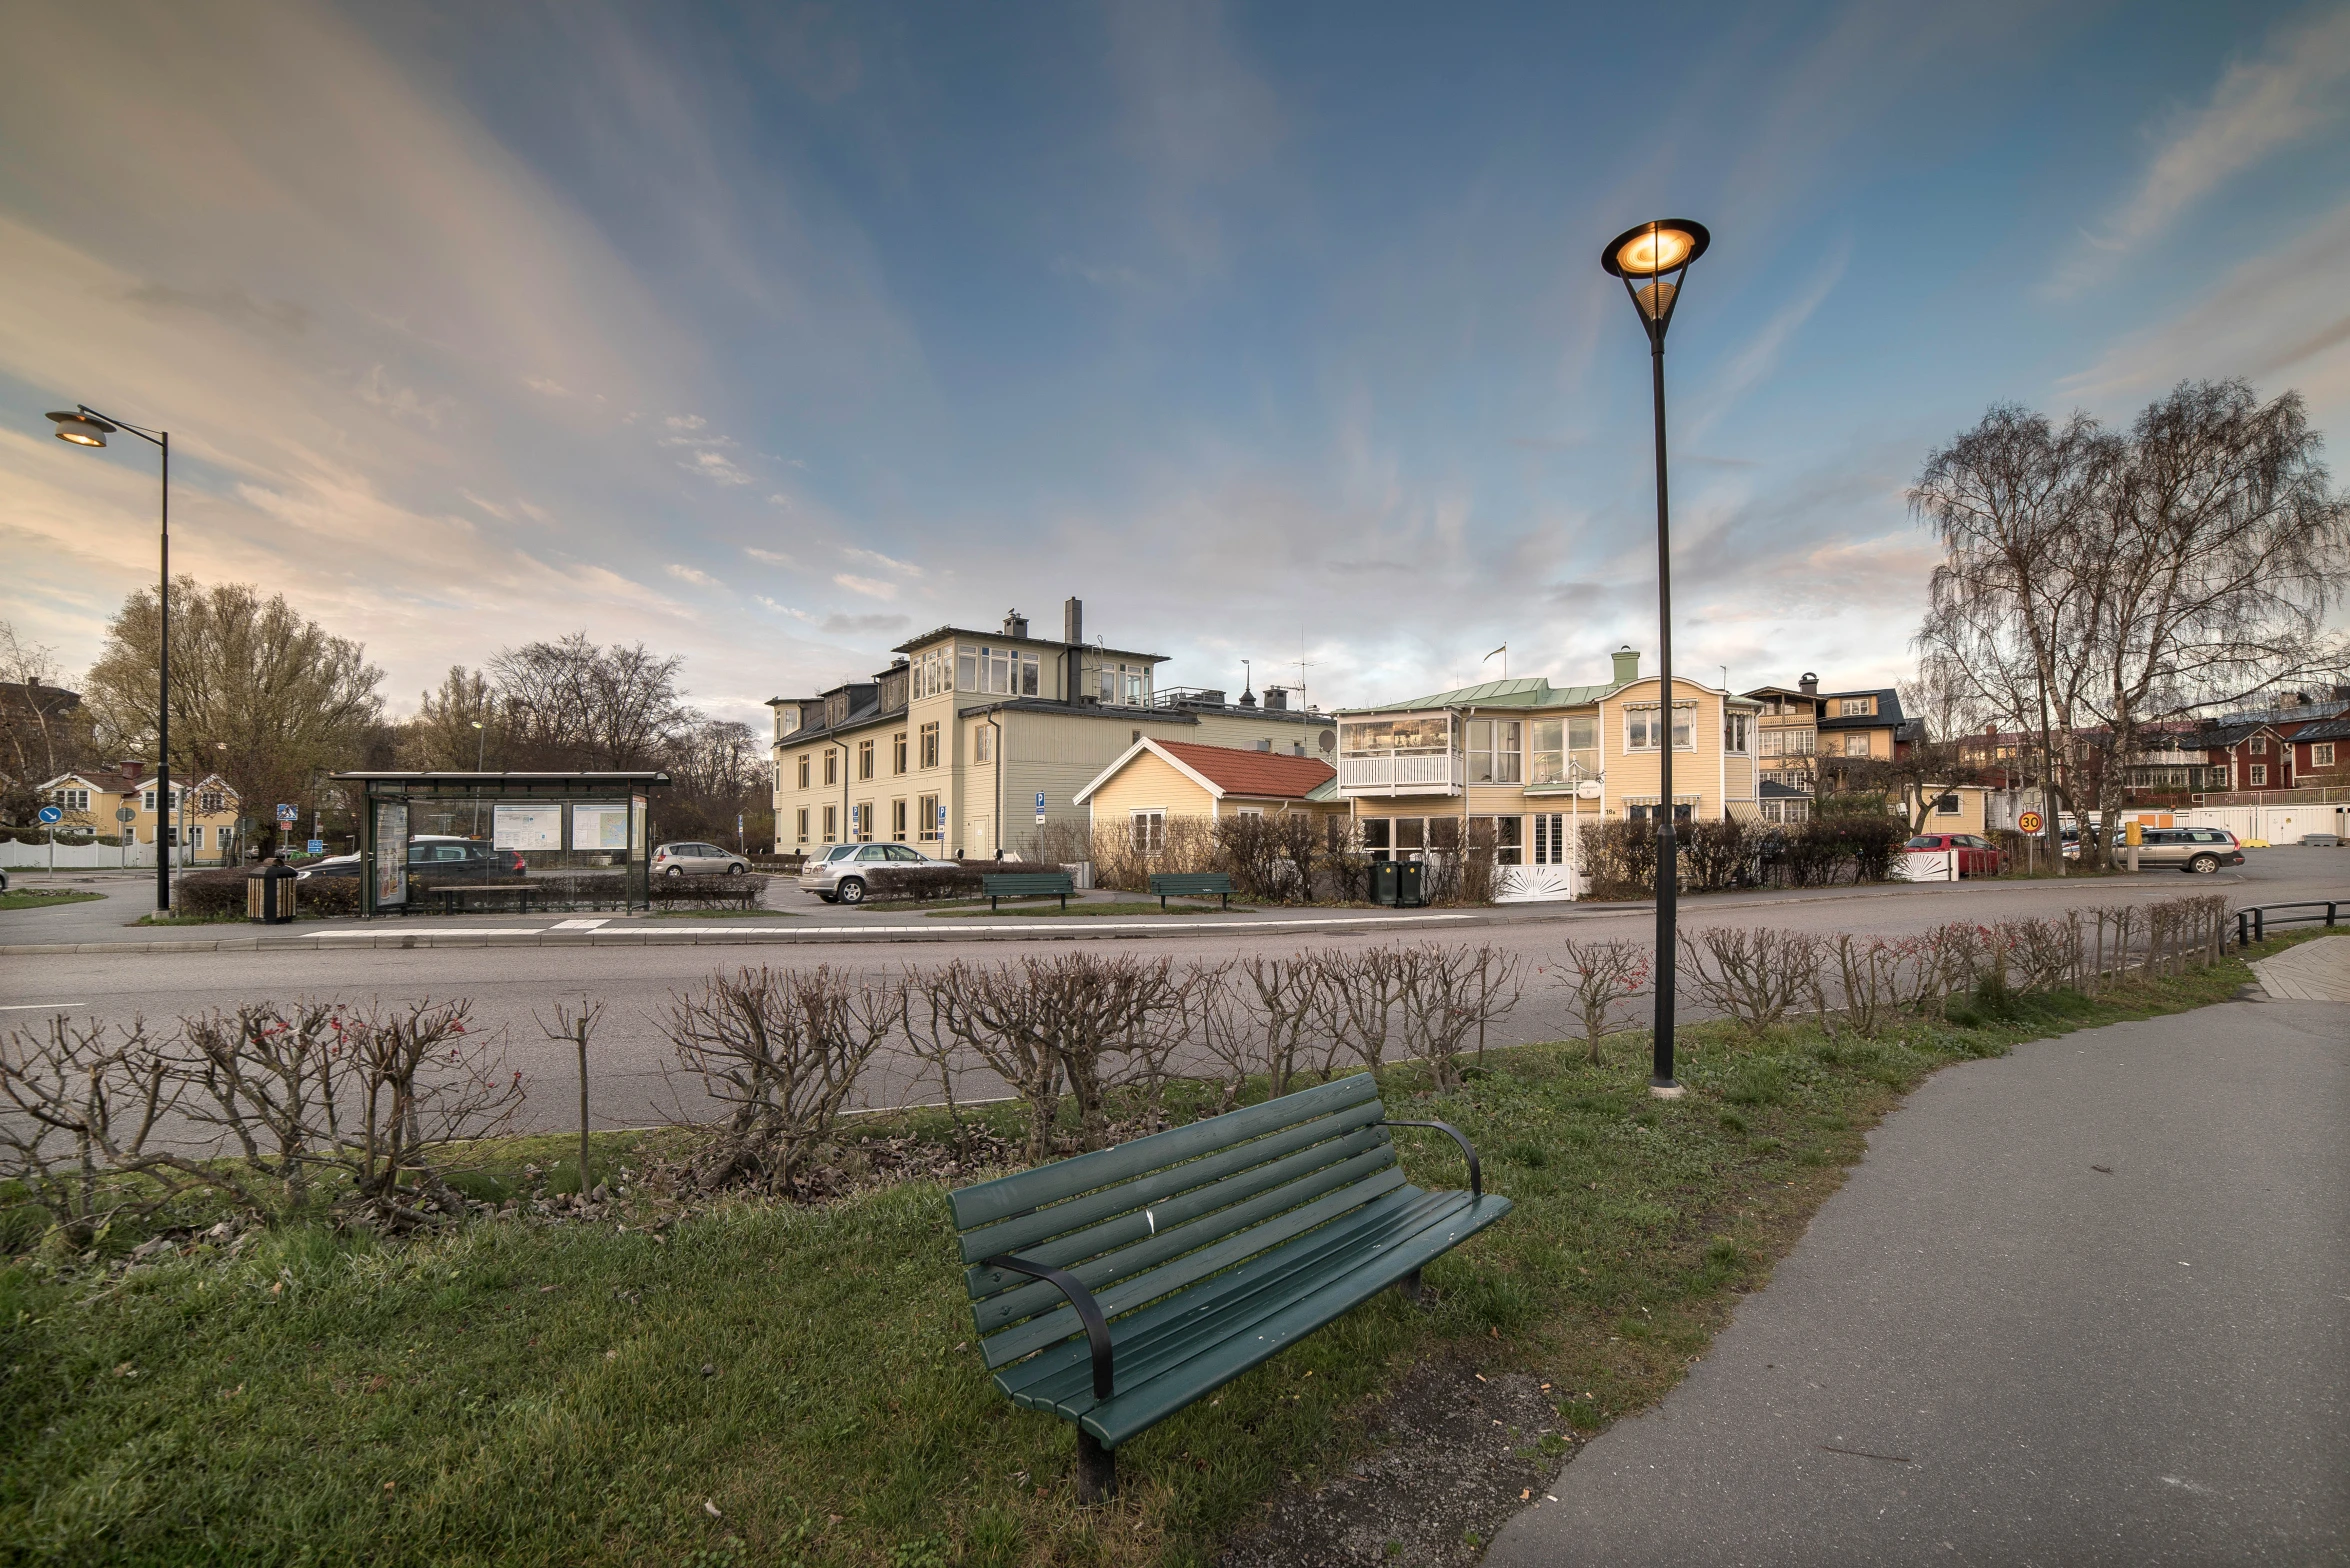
(1115, 1288)
(1191, 884)
(1017, 884)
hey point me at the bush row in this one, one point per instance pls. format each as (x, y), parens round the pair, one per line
(1618, 857)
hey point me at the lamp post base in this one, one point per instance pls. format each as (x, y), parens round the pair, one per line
(1667, 1089)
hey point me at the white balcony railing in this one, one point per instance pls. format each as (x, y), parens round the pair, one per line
(1400, 773)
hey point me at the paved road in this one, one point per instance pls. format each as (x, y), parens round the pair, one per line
(509, 984)
(2089, 1304)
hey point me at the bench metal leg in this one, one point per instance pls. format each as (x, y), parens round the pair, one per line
(1097, 1470)
(1409, 1286)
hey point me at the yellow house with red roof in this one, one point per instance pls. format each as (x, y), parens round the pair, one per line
(1154, 781)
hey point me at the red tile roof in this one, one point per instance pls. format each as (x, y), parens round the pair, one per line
(1261, 774)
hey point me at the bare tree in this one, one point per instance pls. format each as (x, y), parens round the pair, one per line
(1598, 975)
(577, 1026)
(82, 1102)
(2219, 550)
(2013, 502)
(572, 704)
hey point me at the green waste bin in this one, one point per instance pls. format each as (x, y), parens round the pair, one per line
(1383, 881)
(1411, 887)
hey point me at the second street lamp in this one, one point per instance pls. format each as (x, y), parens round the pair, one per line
(85, 426)
(1652, 259)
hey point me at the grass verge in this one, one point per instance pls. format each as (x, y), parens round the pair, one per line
(43, 897)
(767, 1384)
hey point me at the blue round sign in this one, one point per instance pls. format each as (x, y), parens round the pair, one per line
(52, 815)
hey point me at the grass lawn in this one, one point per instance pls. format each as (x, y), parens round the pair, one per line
(1119, 907)
(44, 897)
(765, 1384)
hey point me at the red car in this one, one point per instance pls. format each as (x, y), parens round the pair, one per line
(1977, 857)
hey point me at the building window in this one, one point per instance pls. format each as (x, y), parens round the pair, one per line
(864, 759)
(861, 819)
(1551, 846)
(2321, 755)
(147, 801)
(930, 671)
(1790, 742)
(1647, 813)
(1509, 843)
(831, 766)
(1377, 838)
(999, 672)
(211, 802)
(897, 818)
(803, 824)
(1583, 747)
(897, 752)
(831, 824)
(1946, 805)
(2259, 746)
(1146, 831)
(1549, 765)
(803, 770)
(2259, 774)
(1856, 745)
(983, 743)
(1786, 812)
(929, 745)
(70, 799)
(928, 818)
(1738, 733)
(1495, 751)
(1642, 729)
(1855, 707)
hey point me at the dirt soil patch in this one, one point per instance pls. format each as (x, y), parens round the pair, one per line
(1463, 1453)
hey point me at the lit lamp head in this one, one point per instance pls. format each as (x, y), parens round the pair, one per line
(1651, 258)
(82, 429)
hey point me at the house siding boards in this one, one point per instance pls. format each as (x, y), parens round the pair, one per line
(209, 831)
(1149, 782)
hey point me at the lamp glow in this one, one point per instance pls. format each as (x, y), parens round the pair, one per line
(1659, 251)
(82, 429)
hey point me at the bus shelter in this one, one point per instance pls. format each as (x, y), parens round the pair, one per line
(568, 840)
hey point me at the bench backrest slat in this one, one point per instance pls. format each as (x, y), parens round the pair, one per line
(1190, 881)
(1007, 1196)
(1055, 1229)
(1028, 882)
(1132, 1241)
(1048, 1327)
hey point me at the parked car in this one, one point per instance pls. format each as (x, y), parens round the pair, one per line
(2200, 851)
(331, 866)
(842, 874)
(691, 857)
(1977, 857)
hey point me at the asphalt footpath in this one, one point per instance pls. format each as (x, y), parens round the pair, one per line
(2085, 1304)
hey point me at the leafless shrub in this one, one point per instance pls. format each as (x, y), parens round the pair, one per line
(2039, 954)
(782, 1049)
(1872, 978)
(272, 1081)
(1089, 1021)
(425, 1083)
(1451, 993)
(1596, 976)
(83, 1100)
(1363, 1000)
(1755, 976)
(1285, 1006)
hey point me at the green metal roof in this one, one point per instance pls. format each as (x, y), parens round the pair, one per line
(1533, 691)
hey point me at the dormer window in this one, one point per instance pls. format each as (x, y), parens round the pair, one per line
(1855, 707)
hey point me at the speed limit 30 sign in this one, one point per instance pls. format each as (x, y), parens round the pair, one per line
(2030, 822)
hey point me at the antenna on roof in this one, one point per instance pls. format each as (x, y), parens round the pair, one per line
(1303, 664)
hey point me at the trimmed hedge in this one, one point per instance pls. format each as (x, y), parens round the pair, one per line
(222, 892)
(1618, 857)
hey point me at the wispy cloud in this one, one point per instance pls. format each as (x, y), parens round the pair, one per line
(886, 563)
(711, 463)
(871, 587)
(687, 574)
(2291, 90)
(771, 557)
(1760, 355)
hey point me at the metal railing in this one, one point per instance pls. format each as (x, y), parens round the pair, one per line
(2253, 921)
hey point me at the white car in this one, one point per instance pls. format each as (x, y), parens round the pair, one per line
(691, 857)
(843, 874)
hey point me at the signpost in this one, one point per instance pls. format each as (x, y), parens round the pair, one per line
(1040, 808)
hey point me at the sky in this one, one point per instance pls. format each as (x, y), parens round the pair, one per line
(771, 336)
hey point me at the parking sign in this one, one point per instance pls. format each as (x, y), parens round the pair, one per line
(1040, 805)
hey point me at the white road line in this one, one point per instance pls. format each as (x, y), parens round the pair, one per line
(38, 1007)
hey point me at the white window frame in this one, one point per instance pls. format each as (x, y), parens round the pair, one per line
(803, 824)
(1858, 738)
(1684, 730)
(928, 747)
(1551, 846)
(1491, 761)
(1856, 707)
(1146, 830)
(2321, 753)
(2259, 773)
(1738, 733)
(930, 821)
(982, 744)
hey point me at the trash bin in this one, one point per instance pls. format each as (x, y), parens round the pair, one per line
(1383, 881)
(1411, 888)
(269, 894)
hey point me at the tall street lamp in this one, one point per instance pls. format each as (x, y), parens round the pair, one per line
(85, 426)
(1652, 258)
(481, 739)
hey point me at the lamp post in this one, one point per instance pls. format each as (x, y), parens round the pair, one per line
(85, 426)
(1660, 253)
(481, 740)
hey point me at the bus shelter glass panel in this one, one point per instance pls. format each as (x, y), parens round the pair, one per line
(442, 847)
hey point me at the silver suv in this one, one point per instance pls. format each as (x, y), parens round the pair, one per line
(2196, 850)
(843, 874)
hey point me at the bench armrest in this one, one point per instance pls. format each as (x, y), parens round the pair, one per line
(1468, 1150)
(1089, 1311)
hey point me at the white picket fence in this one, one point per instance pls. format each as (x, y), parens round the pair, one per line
(85, 857)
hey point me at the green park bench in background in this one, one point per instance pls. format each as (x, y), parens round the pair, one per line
(1016, 884)
(1191, 884)
(1115, 1288)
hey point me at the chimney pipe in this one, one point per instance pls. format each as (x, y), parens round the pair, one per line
(1627, 664)
(1015, 624)
(1810, 684)
(1073, 633)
